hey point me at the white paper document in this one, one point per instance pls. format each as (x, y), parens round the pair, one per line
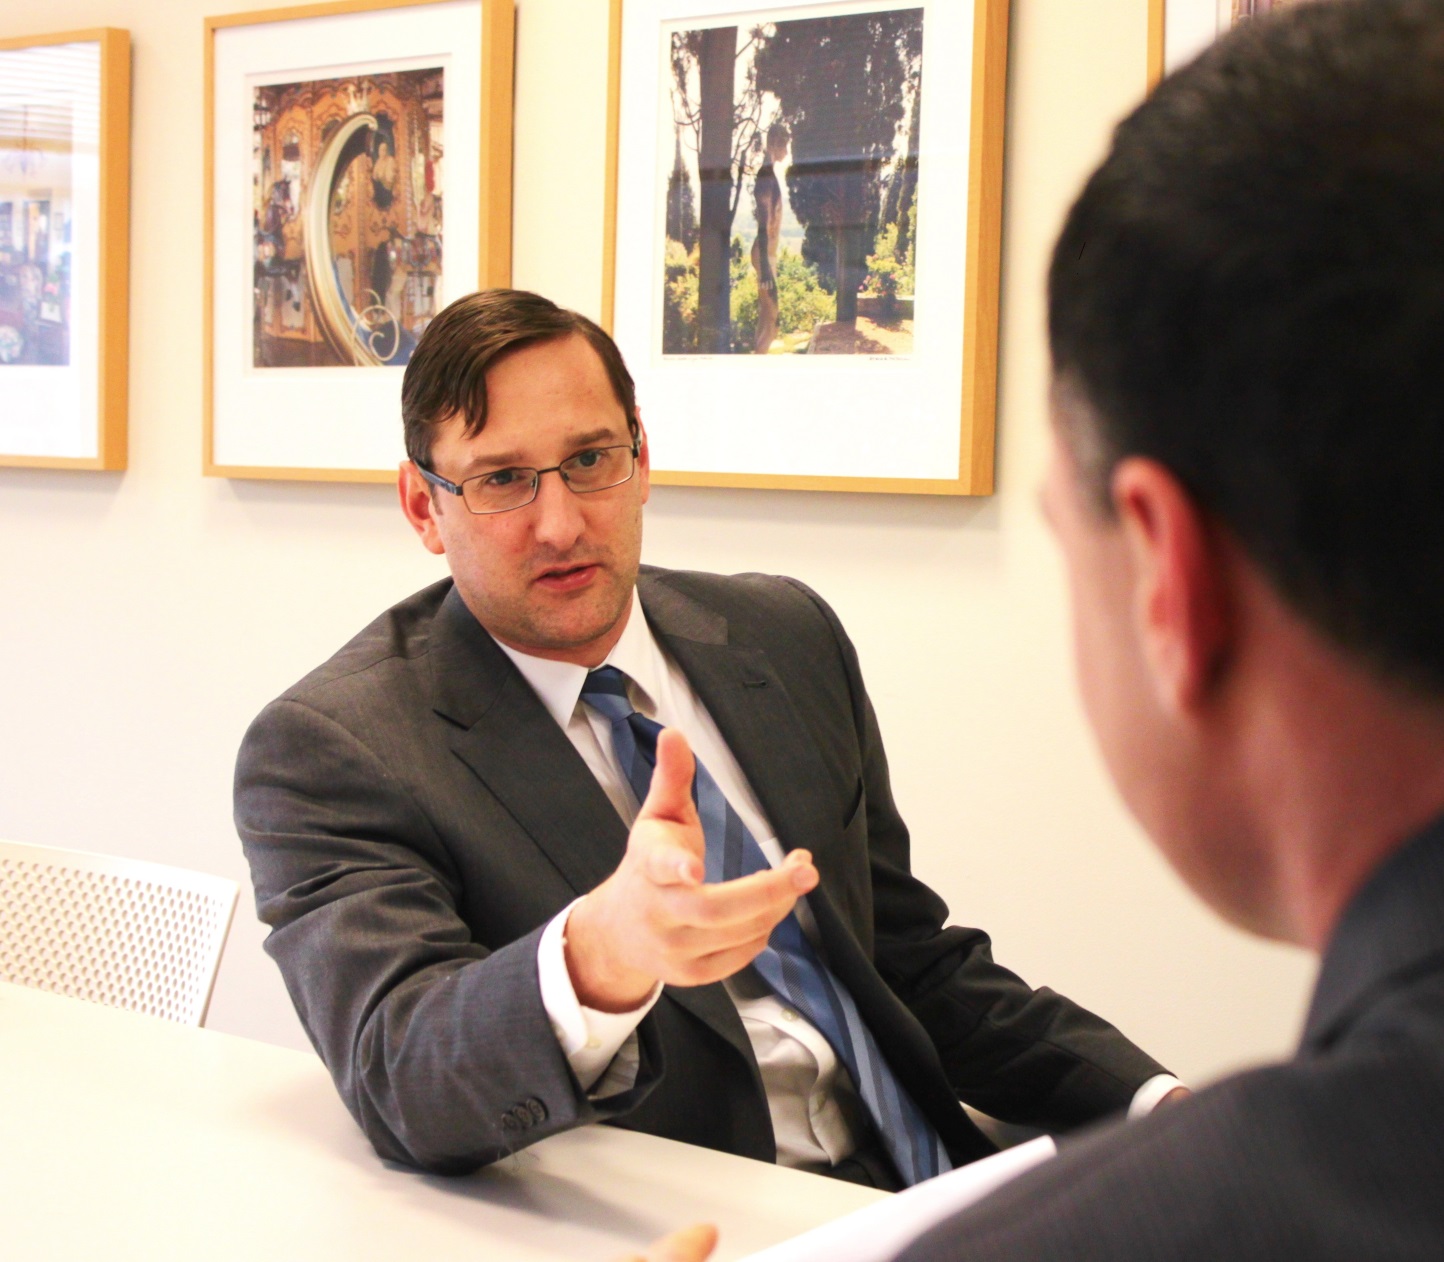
(882, 1230)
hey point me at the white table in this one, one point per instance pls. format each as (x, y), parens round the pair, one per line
(126, 1137)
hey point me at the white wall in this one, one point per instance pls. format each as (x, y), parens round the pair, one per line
(148, 615)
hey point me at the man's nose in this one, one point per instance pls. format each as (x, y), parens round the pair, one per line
(557, 512)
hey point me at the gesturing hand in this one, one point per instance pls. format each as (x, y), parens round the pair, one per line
(691, 1244)
(654, 920)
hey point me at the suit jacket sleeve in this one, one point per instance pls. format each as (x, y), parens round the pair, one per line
(1024, 1055)
(441, 1048)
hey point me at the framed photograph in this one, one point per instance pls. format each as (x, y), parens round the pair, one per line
(803, 244)
(358, 179)
(64, 249)
(1179, 30)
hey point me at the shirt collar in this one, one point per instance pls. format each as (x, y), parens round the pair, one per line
(558, 685)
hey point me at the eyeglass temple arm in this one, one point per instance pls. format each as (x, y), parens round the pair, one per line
(437, 480)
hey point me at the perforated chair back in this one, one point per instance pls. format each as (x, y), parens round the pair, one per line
(122, 932)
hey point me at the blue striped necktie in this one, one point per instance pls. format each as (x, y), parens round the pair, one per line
(789, 963)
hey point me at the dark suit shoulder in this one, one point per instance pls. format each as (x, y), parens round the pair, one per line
(1334, 1156)
(752, 604)
(401, 633)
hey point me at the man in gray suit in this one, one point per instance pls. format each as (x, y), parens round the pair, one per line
(437, 825)
(1247, 326)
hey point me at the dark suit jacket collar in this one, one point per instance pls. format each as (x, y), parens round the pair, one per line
(505, 735)
(1391, 931)
(672, 614)
(529, 764)
(469, 671)
(750, 704)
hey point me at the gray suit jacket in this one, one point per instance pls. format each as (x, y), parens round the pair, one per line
(1338, 1154)
(413, 817)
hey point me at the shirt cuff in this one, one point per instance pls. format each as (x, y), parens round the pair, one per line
(589, 1039)
(1147, 1097)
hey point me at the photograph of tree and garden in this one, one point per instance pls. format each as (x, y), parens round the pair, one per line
(791, 191)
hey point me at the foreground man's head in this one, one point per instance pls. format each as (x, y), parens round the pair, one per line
(1246, 312)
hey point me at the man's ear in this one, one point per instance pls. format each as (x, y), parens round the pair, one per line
(419, 505)
(1181, 591)
(644, 456)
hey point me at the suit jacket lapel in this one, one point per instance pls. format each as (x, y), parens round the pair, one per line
(770, 741)
(505, 735)
(752, 710)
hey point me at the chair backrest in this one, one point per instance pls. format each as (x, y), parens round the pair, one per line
(121, 932)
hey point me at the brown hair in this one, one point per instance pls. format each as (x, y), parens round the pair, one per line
(447, 372)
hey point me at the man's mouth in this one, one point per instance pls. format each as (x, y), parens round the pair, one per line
(565, 578)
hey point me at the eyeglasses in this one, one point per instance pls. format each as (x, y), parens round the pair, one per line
(501, 490)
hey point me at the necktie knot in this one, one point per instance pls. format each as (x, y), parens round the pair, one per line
(634, 736)
(605, 690)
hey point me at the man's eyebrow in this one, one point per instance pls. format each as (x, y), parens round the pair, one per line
(501, 461)
(575, 443)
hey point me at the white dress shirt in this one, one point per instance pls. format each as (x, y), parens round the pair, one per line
(815, 1109)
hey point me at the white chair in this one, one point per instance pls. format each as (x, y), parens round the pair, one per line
(122, 932)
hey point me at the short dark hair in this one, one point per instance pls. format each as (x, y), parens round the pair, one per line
(446, 376)
(1250, 290)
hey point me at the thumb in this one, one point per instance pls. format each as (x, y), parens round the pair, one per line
(670, 794)
(692, 1244)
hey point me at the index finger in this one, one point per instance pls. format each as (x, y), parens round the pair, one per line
(691, 1244)
(744, 898)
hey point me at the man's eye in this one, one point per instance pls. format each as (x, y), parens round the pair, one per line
(502, 477)
(589, 459)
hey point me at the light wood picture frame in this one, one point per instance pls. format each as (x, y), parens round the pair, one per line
(64, 249)
(1180, 29)
(896, 393)
(337, 134)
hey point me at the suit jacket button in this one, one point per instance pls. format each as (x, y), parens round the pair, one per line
(537, 1109)
(509, 1123)
(522, 1116)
